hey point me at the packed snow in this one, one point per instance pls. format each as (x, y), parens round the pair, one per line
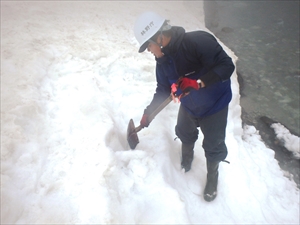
(291, 142)
(71, 79)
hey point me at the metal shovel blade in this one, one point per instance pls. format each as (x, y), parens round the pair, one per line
(132, 136)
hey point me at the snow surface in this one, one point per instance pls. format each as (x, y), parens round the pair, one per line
(291, 142)
(71, 79)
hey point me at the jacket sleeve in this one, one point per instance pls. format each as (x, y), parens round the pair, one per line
(163, 91)
(212, 56)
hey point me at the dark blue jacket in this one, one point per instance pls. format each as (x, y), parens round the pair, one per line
(196, 55)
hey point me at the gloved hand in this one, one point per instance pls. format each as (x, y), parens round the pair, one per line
(145, 121)
(187, 84)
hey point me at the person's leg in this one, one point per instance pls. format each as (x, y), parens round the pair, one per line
(187, 132)
(214, 132)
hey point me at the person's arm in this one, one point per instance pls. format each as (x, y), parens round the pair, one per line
(162, 92)
(212, 56)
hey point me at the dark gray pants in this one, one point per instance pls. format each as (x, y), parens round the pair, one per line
(213, 128)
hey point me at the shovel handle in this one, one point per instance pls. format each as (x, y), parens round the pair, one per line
(137, 129)
(158, 109)
(132, 137)
(155, 112)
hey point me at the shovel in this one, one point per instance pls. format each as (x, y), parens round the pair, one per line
(132, 136)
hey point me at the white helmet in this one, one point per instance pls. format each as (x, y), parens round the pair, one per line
(146, 25)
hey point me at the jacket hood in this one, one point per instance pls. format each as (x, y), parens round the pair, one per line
(176, 39)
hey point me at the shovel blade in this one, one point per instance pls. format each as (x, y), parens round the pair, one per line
(132, 137)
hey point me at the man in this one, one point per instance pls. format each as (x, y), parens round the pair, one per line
(199, 69)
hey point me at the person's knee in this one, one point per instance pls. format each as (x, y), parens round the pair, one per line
(219, 153)
(211, 145)
(185, 136)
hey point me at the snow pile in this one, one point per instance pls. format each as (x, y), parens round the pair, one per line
(71, 79)
(290, 141)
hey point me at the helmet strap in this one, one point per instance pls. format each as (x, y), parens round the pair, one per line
(161, 40)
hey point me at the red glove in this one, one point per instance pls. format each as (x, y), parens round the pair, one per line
(144, 121)
(187, 84)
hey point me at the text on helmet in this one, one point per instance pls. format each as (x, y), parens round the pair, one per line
(147, 28)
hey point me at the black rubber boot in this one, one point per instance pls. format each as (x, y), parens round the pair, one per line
(187, 156)
(210, 191)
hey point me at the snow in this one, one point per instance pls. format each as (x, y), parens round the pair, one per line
(291, 142)
(71, 79)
